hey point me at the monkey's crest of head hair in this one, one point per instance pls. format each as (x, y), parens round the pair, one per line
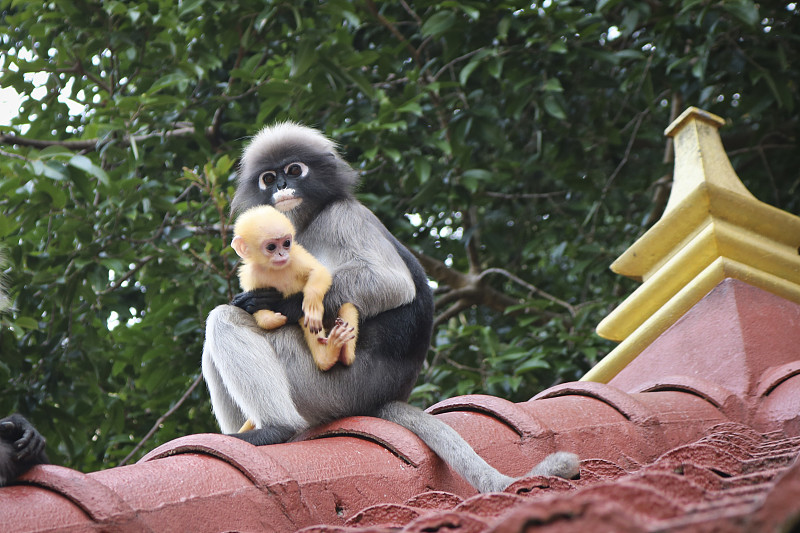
(288, 133)
(263, 221)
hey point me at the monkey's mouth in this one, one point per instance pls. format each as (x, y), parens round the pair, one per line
(286, 200)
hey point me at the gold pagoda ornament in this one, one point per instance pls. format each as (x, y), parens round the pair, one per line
(712, 228)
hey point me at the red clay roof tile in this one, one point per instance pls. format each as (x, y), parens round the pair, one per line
(669, 446)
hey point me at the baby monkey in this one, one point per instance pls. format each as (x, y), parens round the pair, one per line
(264, 239)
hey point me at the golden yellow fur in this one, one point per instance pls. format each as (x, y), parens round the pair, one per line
(300, 273)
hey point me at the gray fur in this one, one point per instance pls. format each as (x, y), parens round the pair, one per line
(239, 369)
(269, 376)
(370, 275)
(455, 451)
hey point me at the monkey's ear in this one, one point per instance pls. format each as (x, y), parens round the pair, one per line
(240, 246)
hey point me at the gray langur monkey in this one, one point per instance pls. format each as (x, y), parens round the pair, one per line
(269, 377)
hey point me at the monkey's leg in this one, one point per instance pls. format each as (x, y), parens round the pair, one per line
(247, 379)
(229, 415)
(267, 319)
(349, 314)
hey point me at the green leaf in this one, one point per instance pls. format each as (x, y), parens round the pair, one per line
(474, 62)
(169, 80)
(744, 10)
(553, 107)
(438, 23)
(58, 199)
(423, 169)
(85, 164)
(471, 178)
(554, 85)
(26, 322)
(305, 57)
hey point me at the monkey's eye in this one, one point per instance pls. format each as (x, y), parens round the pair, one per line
(271, 247)
(287, 243)
(266, 179)
(296, 169)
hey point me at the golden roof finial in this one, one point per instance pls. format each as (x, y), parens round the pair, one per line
(712, 228)
(699, 156)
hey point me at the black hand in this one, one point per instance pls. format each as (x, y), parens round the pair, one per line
(28, 443)
(256, 300)
(252, 301)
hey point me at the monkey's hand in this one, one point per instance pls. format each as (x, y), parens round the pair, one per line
(28, 443)
(271, 299)
(312, 312)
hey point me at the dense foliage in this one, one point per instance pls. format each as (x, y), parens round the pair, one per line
(517, 148)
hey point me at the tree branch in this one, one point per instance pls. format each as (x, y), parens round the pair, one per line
(117, 284)
(161, 420)
(438, 270)
(525, 196)
(93, 144)
(532, 288)
(394, 31)
(449, 313)
(473, 243)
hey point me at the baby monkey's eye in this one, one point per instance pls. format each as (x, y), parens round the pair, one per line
(287, 243)
(271, 247)
(296, 169)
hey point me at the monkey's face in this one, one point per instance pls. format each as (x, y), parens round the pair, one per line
(293, 168)
(299, 182)
(283, 184)
(277, 251)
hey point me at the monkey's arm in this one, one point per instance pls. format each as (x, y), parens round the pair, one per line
(21, 447)
(272, 299)
(318, 282)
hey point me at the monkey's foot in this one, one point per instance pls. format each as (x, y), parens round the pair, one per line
(336, 345)
(344, 337)
(247, 426)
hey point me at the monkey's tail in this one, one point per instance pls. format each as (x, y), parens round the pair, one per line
(460, 456)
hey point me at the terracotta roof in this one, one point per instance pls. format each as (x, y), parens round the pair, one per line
(686, 454)
(694, 427)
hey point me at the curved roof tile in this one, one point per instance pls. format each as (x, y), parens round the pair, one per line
(674, 450)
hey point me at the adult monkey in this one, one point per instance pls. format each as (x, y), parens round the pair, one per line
(268, 376)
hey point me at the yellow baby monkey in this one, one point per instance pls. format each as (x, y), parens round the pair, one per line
(264, 239)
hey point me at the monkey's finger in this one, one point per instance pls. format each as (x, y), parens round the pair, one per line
(23, 452)
(22, 442)
(7, 427)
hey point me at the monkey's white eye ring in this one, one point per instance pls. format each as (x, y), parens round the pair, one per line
(266, 179)
(296, 169)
